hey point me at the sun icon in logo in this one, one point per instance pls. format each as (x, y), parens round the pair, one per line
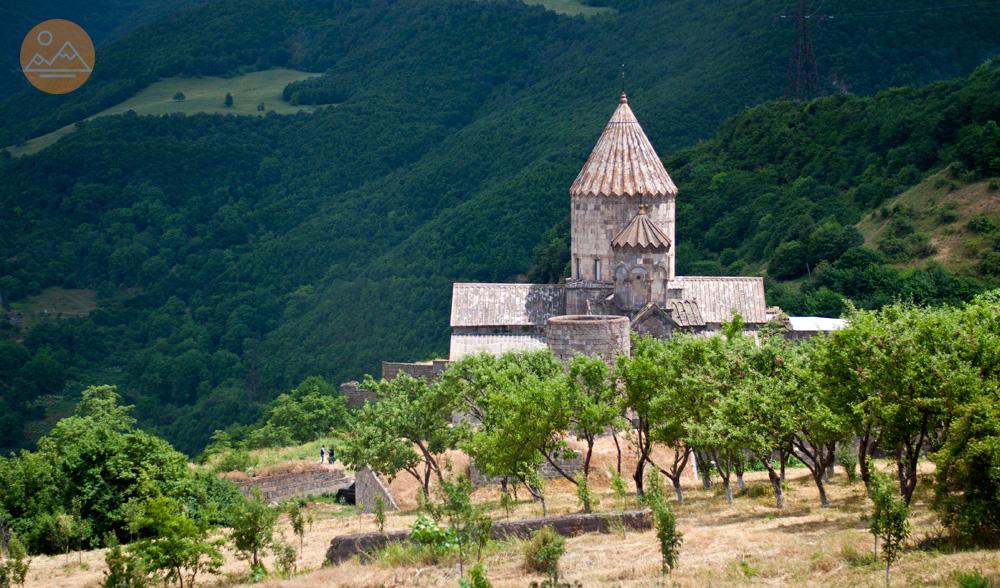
(57, 56)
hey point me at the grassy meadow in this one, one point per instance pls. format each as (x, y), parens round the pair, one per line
(202, 95)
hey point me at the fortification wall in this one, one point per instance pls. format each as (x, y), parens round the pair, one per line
(368, 486)
(603, 336)
(281, 486)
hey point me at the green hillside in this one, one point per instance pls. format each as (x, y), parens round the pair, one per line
(255, 93)
(232, 255)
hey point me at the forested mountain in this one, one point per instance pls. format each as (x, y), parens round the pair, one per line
(231, 256)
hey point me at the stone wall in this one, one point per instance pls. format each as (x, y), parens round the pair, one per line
(603, 336)
(278, 487)
(427, 370)
(367, 486)
(356, 396)
(345, 547)
(572, 465)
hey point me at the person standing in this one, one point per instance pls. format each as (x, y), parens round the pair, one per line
(322, 453)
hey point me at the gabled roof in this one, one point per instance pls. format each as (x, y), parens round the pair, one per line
(642, 233)
(718, 297)
(685, 313)
(485, 305)
(623, 162)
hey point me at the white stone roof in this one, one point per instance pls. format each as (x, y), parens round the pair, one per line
(623, 162)
(816, 323)
(482, 305)
(685, 313)
(718, 297)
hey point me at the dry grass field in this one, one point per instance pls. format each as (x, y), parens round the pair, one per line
(748, 544)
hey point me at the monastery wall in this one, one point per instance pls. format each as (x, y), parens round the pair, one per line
(602, 336)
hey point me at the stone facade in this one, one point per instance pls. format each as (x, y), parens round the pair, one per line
(281, 486)
(595, 220)
(603, 336)
(368, 486)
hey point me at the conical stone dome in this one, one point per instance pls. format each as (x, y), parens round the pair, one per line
(623, 162)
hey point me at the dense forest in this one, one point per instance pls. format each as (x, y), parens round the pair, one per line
(233, 256)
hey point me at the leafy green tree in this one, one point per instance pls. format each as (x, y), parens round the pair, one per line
(179, 549)
(252, 530)
(125, 569)
(312, 410)
(298, 517)
(665, 523)
(229, 100)
(967, 474)
(592, 400)
(469, 523)
(179, 97)
(641, 375)
(408, 428)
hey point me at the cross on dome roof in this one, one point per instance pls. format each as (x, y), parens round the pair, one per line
(623, 162)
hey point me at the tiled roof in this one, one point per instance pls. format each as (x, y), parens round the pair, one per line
(685, 313)
(642, 233)
(718, 297)
(623, 162)
(479, 305)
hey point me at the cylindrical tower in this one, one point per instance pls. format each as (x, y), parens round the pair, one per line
(603, 336)
(622, 172)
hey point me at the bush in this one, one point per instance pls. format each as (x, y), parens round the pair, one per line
(974, 579)
(125, 570)
(477, 578)
(14, 562)
(543, 552)
(981, 224)
(667, 535)
(426, 532)
(847, 457)
(236, 460)
(967, 479)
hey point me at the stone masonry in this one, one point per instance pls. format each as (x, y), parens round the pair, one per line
(281, 486)
(604, 336)
(368, 486)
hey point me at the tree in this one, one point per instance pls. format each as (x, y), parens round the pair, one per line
(179, 97)
(889, 519)
(499, 392)
(229, 100)
(298, 518)
(179, 549)
(14, 561)
(665, 523)
(967, 476)
(252, 530)
(642, 375)
(593, 402)
(469, 523)
(408, 429)
(312, 410)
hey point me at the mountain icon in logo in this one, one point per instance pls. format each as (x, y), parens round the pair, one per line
(67, 62)
(57, 56)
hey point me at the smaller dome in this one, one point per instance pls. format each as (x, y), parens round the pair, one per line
(642, 233)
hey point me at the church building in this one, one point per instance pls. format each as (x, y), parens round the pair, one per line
(623, 205)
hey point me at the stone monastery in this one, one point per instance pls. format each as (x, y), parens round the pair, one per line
(623, 206)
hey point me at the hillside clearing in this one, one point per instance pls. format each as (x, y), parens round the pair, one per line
(941, 207)
(202, 95)
(571, 7)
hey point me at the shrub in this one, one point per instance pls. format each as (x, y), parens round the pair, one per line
(477, 578)
(426, 532)
(587, 498)
(974, 579)
(125, 570)
(666, 534)
(543, 552)
(981, 224)
(236, 460)
(14, 562)
(284, 559)
(847, 457)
